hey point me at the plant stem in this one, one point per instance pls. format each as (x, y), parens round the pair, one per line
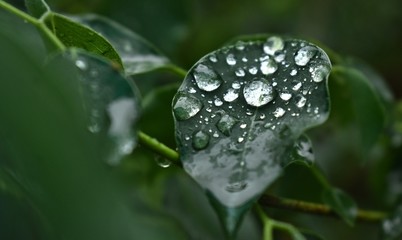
(158, 147)
(316, 208)
(177, 70)
(19, 13)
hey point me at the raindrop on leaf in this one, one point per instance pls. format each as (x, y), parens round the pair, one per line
(206, 78)
(186, 107)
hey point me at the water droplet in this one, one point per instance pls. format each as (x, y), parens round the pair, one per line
(293, 72)
(225, 124)
(258, 93)
(285, 95)
(244, 59)
(192, 90)
(300, 101)
(272, 45)
(268, 66)
(213, 58)
(230, 59)
(200, 140)
(304, 55)
(230, 95)
(206, 78)
(216, 134)
(268, 125)
(240, 139)
(240, 45)
(253, 70)
(81, 64)
(304, 149)
(236, 187)
(240, 72)
(218, 102)
(319, 73)
(296, 85)
(94, 127)
(279, 112)
(243, 125)
(236, 85)
(162, 162)
(279, 58)
(186, 107)
(262, 116)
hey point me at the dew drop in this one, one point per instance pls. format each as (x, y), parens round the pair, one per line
(272, 45)
(240, 139)
(192, 90)
(81, 64)
(230, 95)
(300, 101)
(213, 58)
(236, 85)
(162, 162)
(240, 72)
(285, 95)
(240, 45)
(244, 59)
(206, 78)
(258, 93)
(279, 58)
(279, 112)
(215, 135)
(293, 72)
(262, 116)
(218, 102)
(253, 70)
(319, 73)
(200, 140)
(186, 107)
(243, 125)
(230, 59)
(268, 66)
(296, 85)
(304, 148)
(304, 55)
(225, 124)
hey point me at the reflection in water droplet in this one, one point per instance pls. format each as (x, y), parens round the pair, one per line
(200, 140)
(279, 112)
(236, 85)
(319, 73)
(258, 93)
(236, 187)
(225, 124)
(285, 95)
(81, 64)
(253, 70)
(230, 95)
(206, 78)
(300, 101)
(268, 66)
(293, 72)
(162, 162)
(230, 59)
(218, 102)
(272, 45)
(304, 55)
(186, 107)
(296, 85)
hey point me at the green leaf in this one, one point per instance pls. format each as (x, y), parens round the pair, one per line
(37, 8)
(111, 102)
(341, 203)
(241, 108)
(137, 54)
(366, 106)
(73, 34)
(391, 228)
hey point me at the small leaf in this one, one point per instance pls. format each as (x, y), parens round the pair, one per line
(241, 108)
(341, 203)
(137, 54)
(111, 102)
(367, 107)
(37, 8)
(73, 34)
(391, 228)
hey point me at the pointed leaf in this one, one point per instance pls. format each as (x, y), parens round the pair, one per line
(391, 228)
(73, 34)
(37, 8)
(111, 102)
(341, 203)
(242, 107)
(137, 54)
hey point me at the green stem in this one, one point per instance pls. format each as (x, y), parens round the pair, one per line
(177, 70)
(19, 13)
(316, 208)
(158, 147)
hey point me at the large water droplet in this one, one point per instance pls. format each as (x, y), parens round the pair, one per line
(300, 101)
(230, 59)
(186, 107)
(272, 45)
(225, 124)
(285, 95)
(319, 73)
(304, 55)
(279, 112)
(258, 93)
(230, 95)
(200, 140)
(268, 66)
(206, 78)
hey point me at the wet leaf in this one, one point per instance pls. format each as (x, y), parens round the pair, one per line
(391, 228)
(137, 54)
(37, 8)
(73, 34)
(341, 203)
(111, 102)
(241, 108)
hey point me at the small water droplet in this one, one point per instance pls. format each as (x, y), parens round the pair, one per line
(240, 72)
(186, 107)
(192, 90)
(304, 148)
(236, 187)
(273, 44)
(253, 70)
(243, 125)
(279, 58)
(206, 78)
(230, 95)
(300, 101)
(319, 73)
(262, 116)
(81, 64)
(293, 72)
(258, 93)
(213, 58)
(162, 162)
(244, 59)
(240, 45)
(200, 140)
(236, 85)
(296, 85)
(216, 134)
(279, 112)
(268, 125)
(304, 55)
(268, 66)
(225, 124)
(285, 95)
(218, 102)
(240, 139)
(230, 59)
